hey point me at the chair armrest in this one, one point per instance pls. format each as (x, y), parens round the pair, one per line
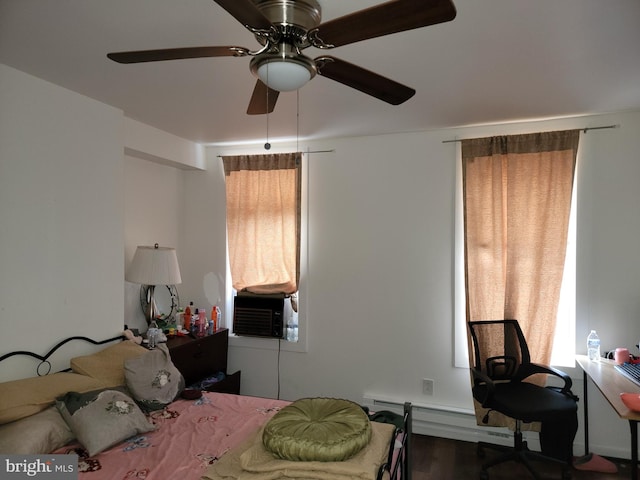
(546, 369)
(480, 377)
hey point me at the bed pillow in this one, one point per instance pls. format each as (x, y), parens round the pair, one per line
(41, 433)
(26, 397)
(152, 379)
(103, 418)
(317, 429)
(107, 365)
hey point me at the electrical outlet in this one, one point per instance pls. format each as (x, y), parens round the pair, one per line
(427, 386)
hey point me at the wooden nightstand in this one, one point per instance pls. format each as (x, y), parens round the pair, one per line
(202, 357)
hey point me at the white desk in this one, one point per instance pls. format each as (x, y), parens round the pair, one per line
(611, 384)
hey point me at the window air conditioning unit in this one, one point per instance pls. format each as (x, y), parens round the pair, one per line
(258, 315)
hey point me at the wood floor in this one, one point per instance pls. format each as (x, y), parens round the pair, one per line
(443, 459)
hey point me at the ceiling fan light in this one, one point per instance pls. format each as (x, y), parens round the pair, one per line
(284, 75)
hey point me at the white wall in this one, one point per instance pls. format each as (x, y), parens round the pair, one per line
(380, 273)
(61, 228)
(149, 143)
(154, 199)
(379, 282)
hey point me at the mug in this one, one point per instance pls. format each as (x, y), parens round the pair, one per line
(621, 356)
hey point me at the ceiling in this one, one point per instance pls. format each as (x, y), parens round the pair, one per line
(497, 61)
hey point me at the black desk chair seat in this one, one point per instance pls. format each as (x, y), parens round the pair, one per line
(500, 366)
(528, 402)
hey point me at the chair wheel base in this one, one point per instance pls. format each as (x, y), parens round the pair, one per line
(520, 454)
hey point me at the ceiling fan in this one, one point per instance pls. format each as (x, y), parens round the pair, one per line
(286, 27)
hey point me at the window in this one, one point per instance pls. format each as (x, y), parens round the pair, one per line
(263, 195)
(517, 196)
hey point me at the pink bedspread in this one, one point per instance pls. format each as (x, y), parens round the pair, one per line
(190, 436)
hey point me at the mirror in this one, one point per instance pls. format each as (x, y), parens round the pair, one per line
(166, 300)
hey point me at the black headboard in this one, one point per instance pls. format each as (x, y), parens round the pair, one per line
(44, 359)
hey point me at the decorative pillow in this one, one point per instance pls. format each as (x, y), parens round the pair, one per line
(152, 379)
(317, 429)
(107, 365)
(41, 433)
(26, 397)
(103, 418)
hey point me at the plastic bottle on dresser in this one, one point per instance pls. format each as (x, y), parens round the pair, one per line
(593, 346)
(215, 317)
(179, 319)
(187, 317)
(202, 322)
(195, 322)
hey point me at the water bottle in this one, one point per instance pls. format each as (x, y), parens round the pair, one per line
(593, 346)
(292, 332)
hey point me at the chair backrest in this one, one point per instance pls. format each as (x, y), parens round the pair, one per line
(499, 349)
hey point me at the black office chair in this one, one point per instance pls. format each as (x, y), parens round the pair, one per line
(501, 363)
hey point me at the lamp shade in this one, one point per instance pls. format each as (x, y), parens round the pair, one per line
(154, 266)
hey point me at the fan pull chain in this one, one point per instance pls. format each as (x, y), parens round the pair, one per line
(267, 145)
(297, 120)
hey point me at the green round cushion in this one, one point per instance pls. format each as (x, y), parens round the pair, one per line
(317, 429)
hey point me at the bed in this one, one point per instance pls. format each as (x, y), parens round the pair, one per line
(125, 412)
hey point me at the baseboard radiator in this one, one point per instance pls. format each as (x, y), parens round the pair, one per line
(460, 424)
(449, 422)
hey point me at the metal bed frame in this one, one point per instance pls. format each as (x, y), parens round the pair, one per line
(401, 469)
(397, 465)
(44, 359)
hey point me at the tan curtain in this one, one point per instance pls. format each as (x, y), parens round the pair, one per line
(263, 221)
(517, 199)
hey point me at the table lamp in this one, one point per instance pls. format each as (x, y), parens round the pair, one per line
(154, 266)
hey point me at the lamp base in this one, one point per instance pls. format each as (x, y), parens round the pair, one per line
(152, 309)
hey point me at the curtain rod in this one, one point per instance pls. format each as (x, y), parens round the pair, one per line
(319, 151)
(312, 151)
(584, 130)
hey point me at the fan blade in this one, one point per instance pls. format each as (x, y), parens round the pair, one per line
(246, 12)
(364, 80)
(263, 99)
(176, 54)
(384, 19)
